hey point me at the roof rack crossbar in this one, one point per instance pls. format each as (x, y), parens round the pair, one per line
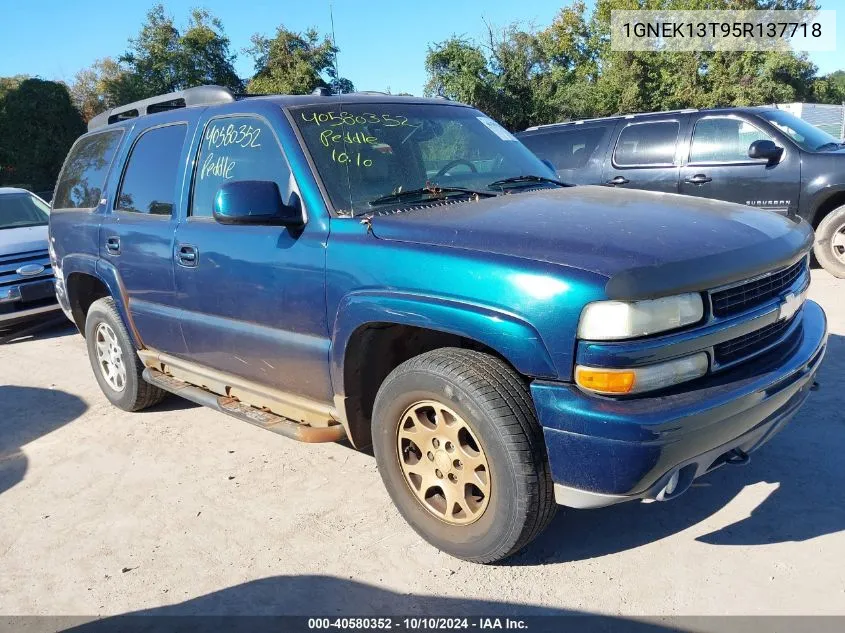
(200, 95)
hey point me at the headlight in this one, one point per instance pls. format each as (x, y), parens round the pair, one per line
(639, 379)
(613, 320)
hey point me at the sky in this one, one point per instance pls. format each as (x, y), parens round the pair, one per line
(383, 44)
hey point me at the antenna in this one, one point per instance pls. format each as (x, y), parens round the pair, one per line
(334, 51)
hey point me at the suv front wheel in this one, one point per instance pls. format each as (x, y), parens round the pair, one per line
(829, 248)
(462, 455)
(116, 366)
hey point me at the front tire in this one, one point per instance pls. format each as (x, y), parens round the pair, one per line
(829, 247)
(462, 455)
(116, 365)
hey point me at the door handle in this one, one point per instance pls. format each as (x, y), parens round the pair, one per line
(698, 179)
(619, 180)
(113, 245)
(187, 255)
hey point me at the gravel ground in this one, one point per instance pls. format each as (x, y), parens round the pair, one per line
(183, 510)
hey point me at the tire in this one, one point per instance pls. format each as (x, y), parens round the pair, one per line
(829, 247)
(483, 394)
(104, 329)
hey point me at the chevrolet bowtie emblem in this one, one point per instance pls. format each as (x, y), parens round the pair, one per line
(791, 303)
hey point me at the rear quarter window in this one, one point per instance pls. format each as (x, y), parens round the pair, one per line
(569, 148)
(644, 144)
(81, 182)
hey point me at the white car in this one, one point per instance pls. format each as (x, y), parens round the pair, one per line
(27, 292)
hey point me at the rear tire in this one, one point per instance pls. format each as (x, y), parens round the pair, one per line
(829, 247)
(114, 360)
(470, 420)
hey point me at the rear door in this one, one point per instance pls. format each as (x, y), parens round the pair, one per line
(717, 165)
(137, 236)
(577, 151)
(646, 154)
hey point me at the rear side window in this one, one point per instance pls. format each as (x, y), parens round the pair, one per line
(236, 148)
(81, 183)
(568, 148)
(152, 171)
(647, 144)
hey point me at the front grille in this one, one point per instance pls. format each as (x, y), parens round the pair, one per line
(751, 343)
(756, 291)
(9, 265)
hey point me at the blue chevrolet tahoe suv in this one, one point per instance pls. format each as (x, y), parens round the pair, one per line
(404, 274)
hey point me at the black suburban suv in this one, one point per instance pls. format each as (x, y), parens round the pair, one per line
(761, 157)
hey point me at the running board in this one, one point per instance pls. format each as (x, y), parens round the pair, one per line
(236, 409)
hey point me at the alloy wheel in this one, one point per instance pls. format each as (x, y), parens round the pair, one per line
(443, 462)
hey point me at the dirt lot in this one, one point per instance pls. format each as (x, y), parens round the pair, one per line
(183, 510)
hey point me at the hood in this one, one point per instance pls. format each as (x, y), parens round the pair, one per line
(647, 244)
(23, 240)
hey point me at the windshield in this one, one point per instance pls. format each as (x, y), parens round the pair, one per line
(365, 154)
(22, 209)
(807, 136)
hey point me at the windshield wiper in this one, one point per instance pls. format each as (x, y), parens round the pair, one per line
(436, 192)
(526, 178)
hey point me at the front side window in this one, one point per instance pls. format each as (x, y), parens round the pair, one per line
(566, 149)
(81, 182)
(236, 148)
(724, 140)
(153, 169)
(642, 144)
(366, 152)
(22, 209)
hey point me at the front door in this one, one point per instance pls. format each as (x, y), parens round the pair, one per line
(253, 297)
(645, 155)
(137, 236)
(718, 166)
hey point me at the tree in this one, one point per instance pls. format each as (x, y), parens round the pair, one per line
(102, 86)
(569, 70)
(294, 63)
(159, 60)
(38, 124)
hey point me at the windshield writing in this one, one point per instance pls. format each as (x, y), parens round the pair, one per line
(366, 153)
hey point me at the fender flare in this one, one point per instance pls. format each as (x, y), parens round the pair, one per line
(110, 278)
(508, 334)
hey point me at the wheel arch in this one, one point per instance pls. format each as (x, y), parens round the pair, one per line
(824, 203)
(375, 332)
(87, 279)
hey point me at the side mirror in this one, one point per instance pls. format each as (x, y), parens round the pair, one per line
(765, 149)
(255, 202)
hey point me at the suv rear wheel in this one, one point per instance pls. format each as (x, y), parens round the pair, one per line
(829, 248)
(462, 455)
(116, 366)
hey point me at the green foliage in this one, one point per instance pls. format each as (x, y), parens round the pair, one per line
(568, 70)
(38, 124)
(294, 63)
(160, 59)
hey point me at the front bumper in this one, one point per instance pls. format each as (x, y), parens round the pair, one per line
(603, 451)
(16, 308)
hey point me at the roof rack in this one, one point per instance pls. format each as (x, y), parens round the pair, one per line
(612, 116)
(200, 95)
